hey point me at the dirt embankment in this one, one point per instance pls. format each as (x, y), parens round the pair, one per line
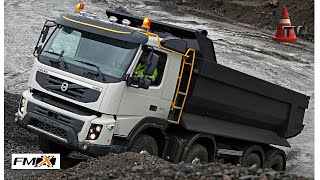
(258, 13)
(116, 166)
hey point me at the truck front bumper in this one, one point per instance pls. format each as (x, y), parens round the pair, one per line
(60, 129)
(62, 134)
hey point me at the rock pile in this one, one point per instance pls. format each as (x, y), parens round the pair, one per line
(142, 166)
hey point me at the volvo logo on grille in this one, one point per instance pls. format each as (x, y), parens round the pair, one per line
(64, 86)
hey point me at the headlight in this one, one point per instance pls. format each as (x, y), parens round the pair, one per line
(92, 136)
(98, 128)
(22, 109)
(94, 131)
(22, 104)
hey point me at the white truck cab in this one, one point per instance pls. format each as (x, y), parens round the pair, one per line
(96, 103)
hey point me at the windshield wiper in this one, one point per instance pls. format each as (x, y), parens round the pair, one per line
(52, 53)
(60, 59)
(90, 64)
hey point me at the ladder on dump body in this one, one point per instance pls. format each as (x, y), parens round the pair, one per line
(179, 90)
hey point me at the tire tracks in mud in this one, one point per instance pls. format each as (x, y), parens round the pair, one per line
(254, 53)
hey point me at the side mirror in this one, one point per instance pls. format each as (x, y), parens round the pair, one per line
(151, 64)
(45, 30)
(144, 83)
(44, 34)
(38, 49)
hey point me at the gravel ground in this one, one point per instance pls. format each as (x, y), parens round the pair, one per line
(237, 46)
(138, 166)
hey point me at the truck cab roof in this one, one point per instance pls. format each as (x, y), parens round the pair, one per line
(183, 38)
(103, 28)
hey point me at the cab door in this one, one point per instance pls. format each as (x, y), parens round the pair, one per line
(148, 102)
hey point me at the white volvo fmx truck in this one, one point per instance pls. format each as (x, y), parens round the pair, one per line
(84, 95)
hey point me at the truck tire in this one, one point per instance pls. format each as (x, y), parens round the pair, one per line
(197, 154)
(275, 159)
(276, 163)
(144, 144)
(48, 146)
(250, 160)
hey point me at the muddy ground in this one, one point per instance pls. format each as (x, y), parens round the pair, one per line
(238, 46)
(258, 13)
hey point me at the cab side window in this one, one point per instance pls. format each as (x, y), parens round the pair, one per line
(158, 73)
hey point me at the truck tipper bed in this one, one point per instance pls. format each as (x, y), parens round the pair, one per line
(229, 103)
(85, 94)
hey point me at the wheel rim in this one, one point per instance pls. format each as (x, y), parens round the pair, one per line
(252, 161)
(145, 151)
(276, 167)
(196, 161)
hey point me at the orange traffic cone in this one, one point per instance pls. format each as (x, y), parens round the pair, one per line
(281, 35)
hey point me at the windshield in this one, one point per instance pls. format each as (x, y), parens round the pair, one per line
(110, 56)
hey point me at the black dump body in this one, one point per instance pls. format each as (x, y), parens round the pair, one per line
(226, 102)
(232, 104)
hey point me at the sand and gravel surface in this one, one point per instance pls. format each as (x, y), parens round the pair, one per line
(241, 47)
(140, 166)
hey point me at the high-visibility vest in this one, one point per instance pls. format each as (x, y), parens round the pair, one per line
(139, 72)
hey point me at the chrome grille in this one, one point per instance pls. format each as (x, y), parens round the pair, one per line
(70, 90)
(75, 93)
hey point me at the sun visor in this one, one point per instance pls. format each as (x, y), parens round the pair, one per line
(101, 28)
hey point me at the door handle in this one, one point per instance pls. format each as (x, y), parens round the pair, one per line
(153, 108)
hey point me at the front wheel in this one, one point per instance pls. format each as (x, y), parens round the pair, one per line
(144, 144)
(48, 146)
(197, 154)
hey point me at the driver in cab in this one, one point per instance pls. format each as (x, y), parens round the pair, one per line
(138, 72)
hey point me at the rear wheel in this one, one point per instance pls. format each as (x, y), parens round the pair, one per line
(197, 154)
(275, 160)
(276, 163)
(144, 144)
(251, 159)
(48, 146)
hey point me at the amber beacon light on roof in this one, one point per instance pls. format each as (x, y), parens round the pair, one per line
(80, 7)
(146, 23)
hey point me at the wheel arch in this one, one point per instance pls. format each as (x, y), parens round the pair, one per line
(254, 149)
(154, 127)
(208, 141)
